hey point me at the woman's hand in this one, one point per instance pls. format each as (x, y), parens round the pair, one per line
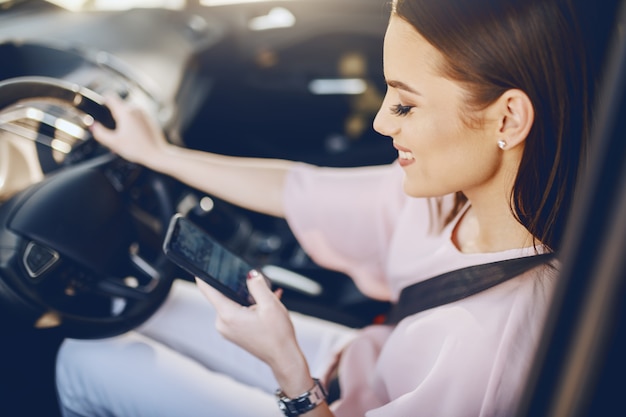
(263, 329)
(136, 138)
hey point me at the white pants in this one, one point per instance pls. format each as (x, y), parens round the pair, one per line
(177, 365)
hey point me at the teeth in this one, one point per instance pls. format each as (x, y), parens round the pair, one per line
(405, 155)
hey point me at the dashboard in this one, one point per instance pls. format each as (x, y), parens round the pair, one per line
(202, 71)
(142, 55)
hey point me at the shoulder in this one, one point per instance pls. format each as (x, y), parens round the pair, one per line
(478, 348)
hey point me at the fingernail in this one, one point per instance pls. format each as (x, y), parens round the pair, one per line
(253, 274)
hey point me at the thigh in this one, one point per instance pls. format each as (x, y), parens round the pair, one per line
(133, 375)
(186, 323)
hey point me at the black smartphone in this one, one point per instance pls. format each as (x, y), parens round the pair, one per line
(194, 250)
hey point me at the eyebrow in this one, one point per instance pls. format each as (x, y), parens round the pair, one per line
(402, 86)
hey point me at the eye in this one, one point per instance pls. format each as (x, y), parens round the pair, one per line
(400, 110)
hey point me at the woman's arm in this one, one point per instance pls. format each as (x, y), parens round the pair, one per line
(266, 331)
(254, 183)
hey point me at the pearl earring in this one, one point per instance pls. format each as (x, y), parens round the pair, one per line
(501, 144)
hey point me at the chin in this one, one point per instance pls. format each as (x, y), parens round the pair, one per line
(413, 190)
(416, 189)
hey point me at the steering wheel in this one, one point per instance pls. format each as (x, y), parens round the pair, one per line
(81, 250)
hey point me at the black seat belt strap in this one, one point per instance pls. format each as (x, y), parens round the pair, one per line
(458, 284)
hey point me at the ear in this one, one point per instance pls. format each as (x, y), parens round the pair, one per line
(516, 117)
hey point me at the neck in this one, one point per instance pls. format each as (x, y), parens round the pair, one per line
(490, 228)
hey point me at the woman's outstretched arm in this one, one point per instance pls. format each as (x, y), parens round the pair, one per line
(253, 183)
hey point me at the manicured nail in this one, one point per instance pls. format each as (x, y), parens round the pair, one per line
(253, 274)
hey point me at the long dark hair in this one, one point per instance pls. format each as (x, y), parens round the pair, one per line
(491, 46)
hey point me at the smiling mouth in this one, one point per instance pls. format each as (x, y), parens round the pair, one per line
(405, 155)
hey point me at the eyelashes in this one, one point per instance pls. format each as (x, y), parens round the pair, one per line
(400, 110)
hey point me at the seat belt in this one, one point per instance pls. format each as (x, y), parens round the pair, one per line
(452, 286)
(458, 284)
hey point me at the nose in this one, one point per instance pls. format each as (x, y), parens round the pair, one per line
(384, 122)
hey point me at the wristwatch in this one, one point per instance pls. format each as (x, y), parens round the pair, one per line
(293, 407)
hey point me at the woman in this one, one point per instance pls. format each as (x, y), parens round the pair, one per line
(487, 107)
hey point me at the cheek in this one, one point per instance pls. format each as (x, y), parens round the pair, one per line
(452, 160)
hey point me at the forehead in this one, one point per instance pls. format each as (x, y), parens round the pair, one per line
(406, 51)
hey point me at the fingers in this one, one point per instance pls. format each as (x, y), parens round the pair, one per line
(118, 107)
(221, 303)
(101, 133)
(131, 122)
(228, 312)
(115, 104)
(257, 285)
(206, 290)
(278, 293)
(260, 291)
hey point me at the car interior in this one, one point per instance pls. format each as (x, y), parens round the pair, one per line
(81, 229)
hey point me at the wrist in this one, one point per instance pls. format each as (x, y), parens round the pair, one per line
(160, 158)
(293, 406)
(292, 374)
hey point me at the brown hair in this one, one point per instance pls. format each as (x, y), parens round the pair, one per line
(492, 46)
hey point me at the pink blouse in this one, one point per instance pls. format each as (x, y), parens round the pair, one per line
(467, 358)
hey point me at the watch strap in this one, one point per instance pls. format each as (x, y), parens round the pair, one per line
(305, 402)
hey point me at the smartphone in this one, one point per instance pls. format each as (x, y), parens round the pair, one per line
(194, 250)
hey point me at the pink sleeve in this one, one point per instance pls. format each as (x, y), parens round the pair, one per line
(344, 219)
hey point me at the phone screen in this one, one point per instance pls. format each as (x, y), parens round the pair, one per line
(198, 253)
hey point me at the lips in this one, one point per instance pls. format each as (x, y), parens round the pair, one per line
(405, 156)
